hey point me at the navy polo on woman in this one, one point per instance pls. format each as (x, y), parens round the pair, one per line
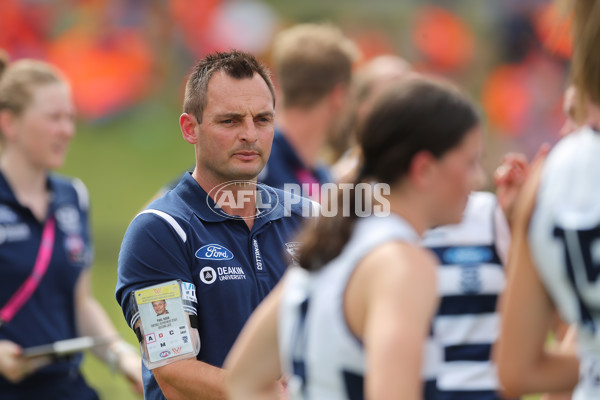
(49, 315)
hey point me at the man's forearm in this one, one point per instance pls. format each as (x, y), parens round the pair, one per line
(191, 379)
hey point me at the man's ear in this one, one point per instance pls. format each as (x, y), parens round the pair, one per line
(7, 120)
(422, 169)
(188, 124)
(338, 96)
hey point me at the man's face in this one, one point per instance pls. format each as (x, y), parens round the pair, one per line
(159, 307)
(236, 133)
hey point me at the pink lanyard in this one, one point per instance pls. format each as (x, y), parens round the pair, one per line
(25, 291)
(306, 177)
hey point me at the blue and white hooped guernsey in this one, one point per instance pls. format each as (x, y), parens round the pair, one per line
(470, 279)
(317, 348)
(180, 236)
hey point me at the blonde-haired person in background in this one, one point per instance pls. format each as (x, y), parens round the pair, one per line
(313, 68)
(554, 261)
(44, 228)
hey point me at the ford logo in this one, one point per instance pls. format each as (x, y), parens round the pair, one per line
(165, 353)
(467, 255)
(213, 252)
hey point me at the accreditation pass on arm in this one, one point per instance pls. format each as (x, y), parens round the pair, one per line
(165, 322)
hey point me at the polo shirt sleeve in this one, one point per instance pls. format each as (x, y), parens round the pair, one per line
(153, 251)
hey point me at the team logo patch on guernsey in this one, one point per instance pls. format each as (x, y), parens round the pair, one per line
(208, 275)
(292, 249)
(75, 247)
(68, 219)
(468, 255)
(213, 252)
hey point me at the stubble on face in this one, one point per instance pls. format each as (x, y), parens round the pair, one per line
(236, 132)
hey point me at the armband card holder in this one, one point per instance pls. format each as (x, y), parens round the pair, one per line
(165, 322)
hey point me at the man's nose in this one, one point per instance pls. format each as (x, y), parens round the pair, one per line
(248, 132)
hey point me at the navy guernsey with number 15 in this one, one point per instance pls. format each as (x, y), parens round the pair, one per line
(181, 236)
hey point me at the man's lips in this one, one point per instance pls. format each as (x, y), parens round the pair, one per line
(246, 155)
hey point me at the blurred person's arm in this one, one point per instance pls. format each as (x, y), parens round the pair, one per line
(525, 365)
(397, 318)
(508, 179)
(567, 344)
(189, 379)
(253, 364)
(194, 379)
(92, 320)
(510, 176)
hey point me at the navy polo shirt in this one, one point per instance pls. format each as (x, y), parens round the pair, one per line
(49, 314)
(180, 236)
(284, 166)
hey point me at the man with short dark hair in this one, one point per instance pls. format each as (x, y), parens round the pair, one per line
(217, 229)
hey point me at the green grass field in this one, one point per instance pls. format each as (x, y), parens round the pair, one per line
(123, 162)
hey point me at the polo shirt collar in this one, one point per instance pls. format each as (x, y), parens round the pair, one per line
(204, 206)
(286, 151)
(57, 196)
(6, 192)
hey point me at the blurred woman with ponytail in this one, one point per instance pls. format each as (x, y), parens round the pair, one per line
(351, 319)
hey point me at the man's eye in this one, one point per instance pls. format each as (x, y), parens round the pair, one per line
(264, 120)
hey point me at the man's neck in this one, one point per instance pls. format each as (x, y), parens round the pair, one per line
(306, 130)
(235, 199)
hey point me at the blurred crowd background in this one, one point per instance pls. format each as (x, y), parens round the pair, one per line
(509, 54)
(127, 60)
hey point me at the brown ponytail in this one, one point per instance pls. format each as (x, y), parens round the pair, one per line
(409, 117)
